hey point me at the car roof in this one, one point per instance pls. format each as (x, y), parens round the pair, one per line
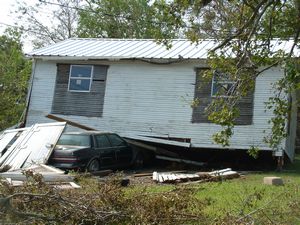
(87, 132)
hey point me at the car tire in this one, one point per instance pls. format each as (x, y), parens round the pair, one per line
(139, 161)
(93, 166)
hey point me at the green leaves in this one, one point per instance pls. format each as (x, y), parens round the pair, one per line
(122, 19)
(14, 74)
(281, 103)
(221, 111)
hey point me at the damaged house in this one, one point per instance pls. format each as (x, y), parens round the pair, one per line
(142, 91)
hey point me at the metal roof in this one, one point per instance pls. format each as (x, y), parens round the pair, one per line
(92, 48)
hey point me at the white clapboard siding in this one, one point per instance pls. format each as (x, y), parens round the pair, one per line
(154, 100)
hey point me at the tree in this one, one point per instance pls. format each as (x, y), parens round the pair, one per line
(245, 28)
(122, 19)
(14, 74)
(92, 18)
(48, 26)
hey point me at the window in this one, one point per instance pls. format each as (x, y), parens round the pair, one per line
(75, 140)
(222, 85)
(116, 140)
(102, 141)
(80, 78)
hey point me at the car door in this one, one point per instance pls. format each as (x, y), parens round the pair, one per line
(105, 150)
(123, 150)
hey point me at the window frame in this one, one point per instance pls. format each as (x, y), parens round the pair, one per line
(215, 82)
(81, 78)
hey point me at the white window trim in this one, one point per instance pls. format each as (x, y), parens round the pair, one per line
(219, 82)
(81, 78)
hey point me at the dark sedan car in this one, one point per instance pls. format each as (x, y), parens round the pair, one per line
(92, 151)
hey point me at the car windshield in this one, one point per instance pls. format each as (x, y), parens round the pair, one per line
(74, 139)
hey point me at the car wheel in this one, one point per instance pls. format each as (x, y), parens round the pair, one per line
(93, 166)
(139, 161)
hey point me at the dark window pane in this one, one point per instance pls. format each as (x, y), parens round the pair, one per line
(102, 141)
(74, 139)
(222, 89)
(116, 140)
(81, 71)
(79, 84)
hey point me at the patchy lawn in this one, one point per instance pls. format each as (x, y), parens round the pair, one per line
(247, 199)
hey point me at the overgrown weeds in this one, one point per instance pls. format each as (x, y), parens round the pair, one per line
(96, 203)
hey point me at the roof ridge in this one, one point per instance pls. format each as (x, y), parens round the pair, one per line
(137, 39)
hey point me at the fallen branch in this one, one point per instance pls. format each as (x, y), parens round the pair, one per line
(259, 209)
(5, 204)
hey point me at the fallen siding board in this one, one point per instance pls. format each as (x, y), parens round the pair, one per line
(42, 144)
(14, 149)
(33, 146)
(155, 140)
(50, 177)
(6, 137)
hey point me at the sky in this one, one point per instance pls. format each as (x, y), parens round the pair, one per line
(7, 17)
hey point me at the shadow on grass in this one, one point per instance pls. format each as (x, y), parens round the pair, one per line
(293, 167)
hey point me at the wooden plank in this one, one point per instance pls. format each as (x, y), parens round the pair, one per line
(47, 177)
(169, 177)
(148, 174)
(74, 124)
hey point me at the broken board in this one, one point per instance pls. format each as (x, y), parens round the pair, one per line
(33, 146)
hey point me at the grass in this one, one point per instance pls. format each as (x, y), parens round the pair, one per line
(239, 197)
(244, 195)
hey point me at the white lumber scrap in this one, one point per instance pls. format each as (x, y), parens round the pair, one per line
(172, 177)
(225, 173)
(74, 185)
(219, 172)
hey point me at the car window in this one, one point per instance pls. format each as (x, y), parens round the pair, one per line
(74, 139)
(116, 140)
(102, 141)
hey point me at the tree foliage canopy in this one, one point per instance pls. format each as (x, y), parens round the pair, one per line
(63, 16)
(244, 31)
(14, 74)
(116, 19)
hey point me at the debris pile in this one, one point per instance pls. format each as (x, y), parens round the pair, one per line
(171, 177)
(48, 174)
